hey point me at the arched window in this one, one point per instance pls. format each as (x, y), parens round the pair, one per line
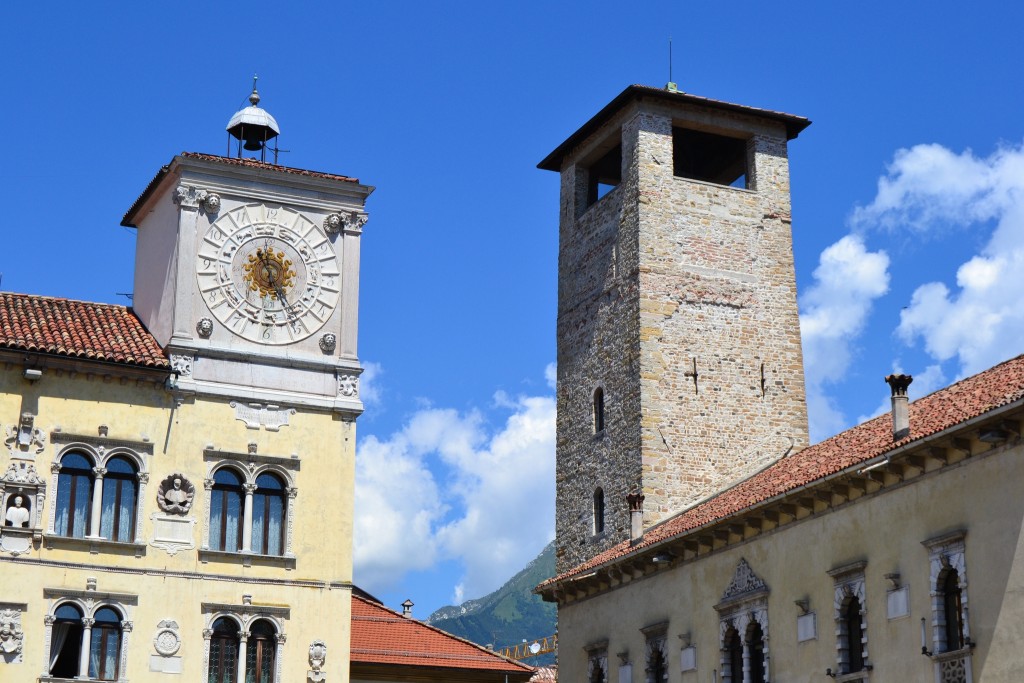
(66, 642)
(852, 619)
(74, 493)
(268, 511)
(259, 656)
(224, 646)
(226, 510)
(120, 495)
(598, 410)
(656, 671)
(597, 671)
(952, 599)
(105, 650)
(598, 510)
(755, 646)
(733, 657)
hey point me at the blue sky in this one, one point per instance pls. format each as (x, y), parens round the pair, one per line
(908, 204)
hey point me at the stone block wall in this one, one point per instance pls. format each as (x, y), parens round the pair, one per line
(678, 298)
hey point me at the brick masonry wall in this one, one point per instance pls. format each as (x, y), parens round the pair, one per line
(660, 277)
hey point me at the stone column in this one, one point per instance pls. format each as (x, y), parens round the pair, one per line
(97, 502)
(243, 640)
(746, 662)
(83, 655)
(247, 519)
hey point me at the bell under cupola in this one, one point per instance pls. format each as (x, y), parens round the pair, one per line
(252, 128)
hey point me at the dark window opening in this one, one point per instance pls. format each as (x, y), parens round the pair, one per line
(604, 175)
(596, 673)
(854, 635)
(259, 657)
(656, 670)
(733, 657)
(712, 158)
(105, 651)
(755, 643)
(598, 410)
(952, 599)
(65, 642)
(598, 510)
(224, 647)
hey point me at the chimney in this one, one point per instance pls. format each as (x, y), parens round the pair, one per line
(636, 515)
(900, 410)
(407, 608)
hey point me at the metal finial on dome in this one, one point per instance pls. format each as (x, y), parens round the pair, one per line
(254, 98)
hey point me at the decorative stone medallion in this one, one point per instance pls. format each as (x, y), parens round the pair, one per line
(204, 328)
(328, 342)
(167, 642)
(317, 658)
(175, 494)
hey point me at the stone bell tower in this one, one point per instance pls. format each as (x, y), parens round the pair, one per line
(680, 370)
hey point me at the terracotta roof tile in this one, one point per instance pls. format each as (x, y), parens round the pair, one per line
(382, 636)
(77, 329)
(253, 163)
(946, 408)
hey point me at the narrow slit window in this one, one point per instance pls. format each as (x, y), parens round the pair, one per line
(712, 158)
(598, 510)
(598, 410)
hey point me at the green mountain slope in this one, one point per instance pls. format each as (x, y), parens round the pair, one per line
(510, 614)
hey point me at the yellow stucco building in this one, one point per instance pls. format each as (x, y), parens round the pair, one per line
(178, 476)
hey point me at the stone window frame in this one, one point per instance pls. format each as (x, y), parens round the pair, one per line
(947, 552)
(598, 518)
(100, 451)
(655, 644)
(597, 659)
(850, 583)
(244, 616)
(250, 466)
(89, 601)
(744, 601)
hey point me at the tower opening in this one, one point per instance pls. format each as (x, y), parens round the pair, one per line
(712, 158)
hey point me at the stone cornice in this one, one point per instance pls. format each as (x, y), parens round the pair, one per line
(123, 598)
(108, 443)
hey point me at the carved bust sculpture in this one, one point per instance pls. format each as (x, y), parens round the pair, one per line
(175, 494)
(17, 514)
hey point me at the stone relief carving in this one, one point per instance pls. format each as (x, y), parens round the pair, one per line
(11, 635)
(317, 658)
(256, 415)
(211, 201)
(190, 197)
(328, 342)
(17, 514)
(355, 221)
(348, 385)
(204, 328)
(167, 641)
(25, 440)
(744, 581)
(175, 494)
(182, 364)
(332, 224)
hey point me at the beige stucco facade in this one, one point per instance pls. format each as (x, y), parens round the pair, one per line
(879, 533)
(247, 283)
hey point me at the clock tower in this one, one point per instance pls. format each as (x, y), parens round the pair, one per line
(248, 274)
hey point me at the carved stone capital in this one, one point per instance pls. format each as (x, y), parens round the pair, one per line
(280, 638)
(127, 626)
(49, 620)
(55, 467)
(292, 491)
(249, 488)
(143, 477)
(87, 622)
(354, 221)
(208, 484)
(100, 472)
(187, 197)
(207, 633)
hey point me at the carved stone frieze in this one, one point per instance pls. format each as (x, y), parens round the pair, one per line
(744, 581)
(348, 385)
(175, 494)
(256, 415)
(24, 441)
(354, 221)
(12, 637)
(181, 364)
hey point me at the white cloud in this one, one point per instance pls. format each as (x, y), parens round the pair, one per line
(834, 312)
(551, 375)
(447, 487)
(369, 390)
(929, 189)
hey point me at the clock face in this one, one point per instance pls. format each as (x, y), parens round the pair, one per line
(268, 274)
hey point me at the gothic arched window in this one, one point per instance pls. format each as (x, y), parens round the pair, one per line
(259, 654)
(755, 646)
(120, 495)
(224, 646)
(268, 515)
(74, 493)
(733, 647)
(105, 649)
(952, 603)
(226, 511)
(853, 621)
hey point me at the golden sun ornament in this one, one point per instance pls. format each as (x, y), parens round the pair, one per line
(268, 272)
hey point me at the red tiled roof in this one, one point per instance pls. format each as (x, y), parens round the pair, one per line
(78, 329)
(545, 674)
(253, 163)
(946, 408)
(382, 636)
